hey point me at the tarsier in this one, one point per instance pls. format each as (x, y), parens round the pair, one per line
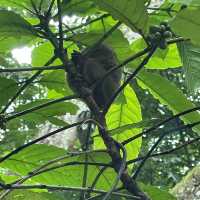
(92, 67)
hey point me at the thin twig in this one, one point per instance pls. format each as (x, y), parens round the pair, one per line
(137, 70)
(160, 124)
(87, 23)
(63, 188)
(165, 152)
(68, 164)
(156, 144)
(17, 150)
(125, 62)
(26, 84)
(35, 8)
(96, 179)
(103, 38)
(40, 5)
(27, 69)
(169, 9)
(50, 8)
(30, 110)
(69, 155)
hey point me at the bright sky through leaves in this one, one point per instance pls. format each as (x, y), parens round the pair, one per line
(22, 55)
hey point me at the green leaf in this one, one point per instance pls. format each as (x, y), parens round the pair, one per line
(117, 41)
(14, 30)
(122, 114)
(131, 12)
(12, 24)
(27, 194)
(162, 59)
(8, 88)
(141, 124)
(23, 4)
(156, 193)
(78, 7)
(187, 25)
(56, 81)
(14, 137)
(43, 53)
(190, 55)
(57, 122)
(165, 59)
(71, 175)
(47, 113)
(32, 157)
(168, 94)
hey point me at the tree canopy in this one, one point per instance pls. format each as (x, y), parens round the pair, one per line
(144, 139)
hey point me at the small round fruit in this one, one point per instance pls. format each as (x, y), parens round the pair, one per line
(158, 35)
(154, 29)
(163, 28)
(167, 34)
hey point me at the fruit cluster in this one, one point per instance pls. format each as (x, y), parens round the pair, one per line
(158, 35)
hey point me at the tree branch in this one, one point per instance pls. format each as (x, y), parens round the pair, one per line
(26, 84)
(24, 112)
(157, 143)
(27, 69)
(165, 152)
(87, 23)
(160, 124)
(63, 188)
(17, 150)
(137, 70)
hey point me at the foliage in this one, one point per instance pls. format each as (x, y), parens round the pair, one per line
(154, 100)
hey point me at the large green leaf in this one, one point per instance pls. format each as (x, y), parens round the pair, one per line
(56, 81)
(39, 154)
(162, 59)
(117, 40)
(156, 193)
(190, 55)
(27, 194)
(14, 137)
(14, 30)
(8, 88)
(165, 60)
(23, 4)
(131, 12)
(141, 124)
(78, 7)
(12, 24)
(126, 112)
(42, 53)
(187, 24)
(47, 113)
(118, 43)
(168, 94)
